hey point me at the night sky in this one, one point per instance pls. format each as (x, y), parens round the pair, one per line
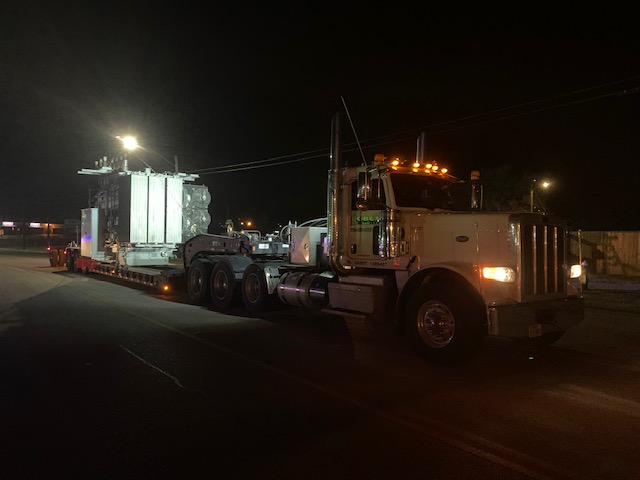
(552, 94)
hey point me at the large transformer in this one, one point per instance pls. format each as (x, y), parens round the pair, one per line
(142, 216)
(195, 210)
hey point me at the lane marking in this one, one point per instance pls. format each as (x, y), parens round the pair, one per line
(588, 396)
(175, 380)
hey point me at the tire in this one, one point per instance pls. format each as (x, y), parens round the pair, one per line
(549, 338)
(255, 294)
(441, 323)
(71, 261)
(198, 280)
(224, 291)
(62, 257)
(54, 258)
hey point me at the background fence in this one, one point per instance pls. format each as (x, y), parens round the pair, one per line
(607, 252)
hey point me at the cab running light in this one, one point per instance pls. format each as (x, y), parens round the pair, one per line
(576, 271)
(499, 274)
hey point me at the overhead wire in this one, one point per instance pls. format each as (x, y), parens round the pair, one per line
(436, 128)
(268, 162)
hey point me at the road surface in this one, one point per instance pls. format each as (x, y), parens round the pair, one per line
(101, 380)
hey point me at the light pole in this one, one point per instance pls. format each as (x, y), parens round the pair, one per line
(534, 186)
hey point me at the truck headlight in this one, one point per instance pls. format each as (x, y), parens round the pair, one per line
(576, 271)
(499, 274)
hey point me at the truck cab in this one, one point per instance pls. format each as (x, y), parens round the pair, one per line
(411, 242)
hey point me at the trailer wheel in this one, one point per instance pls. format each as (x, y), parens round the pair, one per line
(62, 257)
(71, 261)
(254, 288)
(198, 280)
(54, 257)
(441, 323)
(224, 291)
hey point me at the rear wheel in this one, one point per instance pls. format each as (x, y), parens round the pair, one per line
(442, 324)
(198, 280)
(71, 261)
(224, 291)
(54, 257)
(254, 288)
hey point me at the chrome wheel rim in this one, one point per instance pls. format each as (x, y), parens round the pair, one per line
(436, 324)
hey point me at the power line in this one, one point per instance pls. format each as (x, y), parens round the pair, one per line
(268, 162)
(447, 126)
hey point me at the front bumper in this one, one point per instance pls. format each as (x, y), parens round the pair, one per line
(533, 319)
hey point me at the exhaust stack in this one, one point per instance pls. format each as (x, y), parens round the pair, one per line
(334, 187)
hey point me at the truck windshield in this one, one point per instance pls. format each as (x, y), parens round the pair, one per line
(429, 192)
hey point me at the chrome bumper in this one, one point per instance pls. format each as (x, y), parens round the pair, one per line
(533, 319)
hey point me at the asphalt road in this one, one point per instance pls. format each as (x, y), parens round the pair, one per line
(99, 380)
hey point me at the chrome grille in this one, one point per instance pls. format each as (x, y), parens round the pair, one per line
(542, 257)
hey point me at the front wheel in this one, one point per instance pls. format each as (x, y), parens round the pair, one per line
(549, 338)
(442, 324)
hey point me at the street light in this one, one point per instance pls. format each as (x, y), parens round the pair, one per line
(544, 184)
(130, 143)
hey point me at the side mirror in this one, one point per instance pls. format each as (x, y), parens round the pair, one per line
(362, 200)
(362, 204)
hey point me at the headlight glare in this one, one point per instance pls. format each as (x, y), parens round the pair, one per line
(576, 271)
(499, 274)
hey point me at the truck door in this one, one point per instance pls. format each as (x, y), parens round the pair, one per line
(364, 224)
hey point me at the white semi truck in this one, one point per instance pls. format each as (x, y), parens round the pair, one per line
(397, 245)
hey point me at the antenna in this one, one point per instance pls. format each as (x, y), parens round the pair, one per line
(421, 148)
(364, 162)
